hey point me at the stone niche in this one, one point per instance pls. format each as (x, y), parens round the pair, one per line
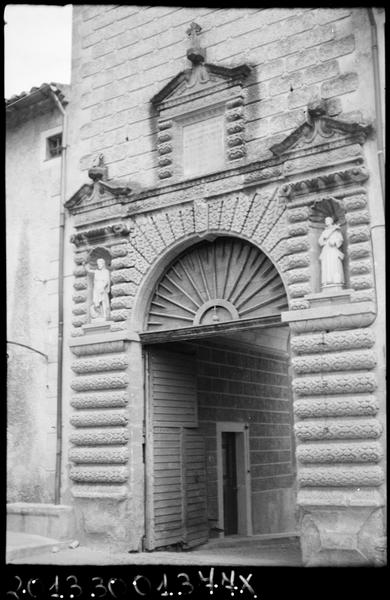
(338, 434)
(96, 256)
(320, 210)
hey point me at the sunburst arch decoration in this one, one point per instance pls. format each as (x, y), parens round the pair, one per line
(214, 282)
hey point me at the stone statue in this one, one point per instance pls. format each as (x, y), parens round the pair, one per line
(100, 306)
(331, 257)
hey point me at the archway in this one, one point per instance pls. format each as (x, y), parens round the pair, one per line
(219, 441)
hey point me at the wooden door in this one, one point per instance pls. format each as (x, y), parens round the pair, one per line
(176, 487)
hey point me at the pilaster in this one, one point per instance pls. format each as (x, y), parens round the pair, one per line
(334, 358)
(106, 455)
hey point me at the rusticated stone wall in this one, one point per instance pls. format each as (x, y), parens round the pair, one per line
(106, 440)
(339, 444)
(295, 158)
(100, 422)
(339, 447)
(106, 406)
(124, 55)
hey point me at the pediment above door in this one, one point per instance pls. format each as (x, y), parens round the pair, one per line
(201, 79)
(320, 128)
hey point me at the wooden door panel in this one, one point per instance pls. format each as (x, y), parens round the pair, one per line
(176, 500)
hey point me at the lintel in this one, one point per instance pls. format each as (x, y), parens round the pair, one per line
(201, 331)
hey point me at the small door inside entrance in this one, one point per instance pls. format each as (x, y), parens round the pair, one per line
(229, 475)
(234, 508)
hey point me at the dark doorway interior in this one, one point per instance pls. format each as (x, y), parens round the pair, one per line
(220, 450)
(229, 482)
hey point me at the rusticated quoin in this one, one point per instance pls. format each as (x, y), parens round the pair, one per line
(335, 361)
(349, 339)
(345, 453)
(116, 362)
(100, 400)
(100, 437)
(99, 419)
(338, 406)
(115, 455)
(334, 429)
(335, 384)
(100, 382)
(341, 476)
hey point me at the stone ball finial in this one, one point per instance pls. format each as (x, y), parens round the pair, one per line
(98, 169)
(316, 107)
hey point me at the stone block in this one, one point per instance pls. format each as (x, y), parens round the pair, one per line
(91, 67)
(302, 59)
(102, 523)
(347, 82)
(90, 40)
(288, 120)
(104, 19)
(265, 108)
(328, 15)
(285, 83)
(337, 48)
(116, 57)
(301, 96)
(298, 42)
(321, 72)
(48, 520)
(127, 38)
(270, 69)
(103, 47)
(102, 78)
(337, 536)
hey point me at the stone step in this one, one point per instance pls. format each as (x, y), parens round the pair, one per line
(24, 545)
(231, 541)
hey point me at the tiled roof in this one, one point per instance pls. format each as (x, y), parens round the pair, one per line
(38, 93)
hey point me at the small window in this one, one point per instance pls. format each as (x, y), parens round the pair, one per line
(54, 146)
(203, 146)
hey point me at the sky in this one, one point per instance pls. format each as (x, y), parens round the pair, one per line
(37, 46)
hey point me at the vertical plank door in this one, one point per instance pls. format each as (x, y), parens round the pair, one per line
(176, 490)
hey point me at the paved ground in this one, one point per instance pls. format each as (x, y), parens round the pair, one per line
(254, 551)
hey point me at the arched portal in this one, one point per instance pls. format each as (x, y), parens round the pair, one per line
(224, 280)
(219, 440)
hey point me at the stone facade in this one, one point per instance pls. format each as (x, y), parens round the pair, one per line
(295, 94)
(301, 112)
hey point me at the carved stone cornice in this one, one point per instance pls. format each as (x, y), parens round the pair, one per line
(90, 193)
(201, 74)
(323, 181)
(324, 127)
(99, 233)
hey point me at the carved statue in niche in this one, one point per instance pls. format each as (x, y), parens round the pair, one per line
(100, 306)
(331, 257)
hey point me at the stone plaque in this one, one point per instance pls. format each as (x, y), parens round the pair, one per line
(203, 146)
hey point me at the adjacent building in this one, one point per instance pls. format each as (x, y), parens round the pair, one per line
(34, 129)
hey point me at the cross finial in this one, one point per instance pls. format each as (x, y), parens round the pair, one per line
(193, 31)
(195, 53)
